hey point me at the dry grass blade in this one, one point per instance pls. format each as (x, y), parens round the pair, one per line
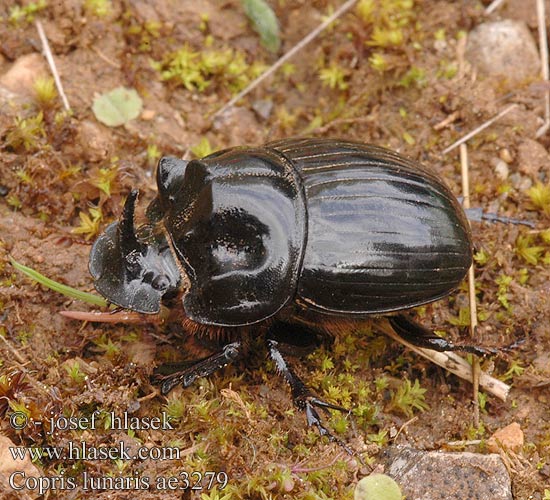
(493, 6)
(465, 170)
(49, 57)
(543, 47)
(476, 131)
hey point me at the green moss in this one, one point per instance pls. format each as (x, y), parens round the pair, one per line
(199, 70)
(45, 92)
(26, 13)
(26, 133)
(89, 223)
(408, 398)
(98, 8)
(334, 77)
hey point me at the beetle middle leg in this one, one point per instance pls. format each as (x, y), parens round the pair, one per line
(420, 336)
(304, 399)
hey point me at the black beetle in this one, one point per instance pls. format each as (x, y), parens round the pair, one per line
(288, 239)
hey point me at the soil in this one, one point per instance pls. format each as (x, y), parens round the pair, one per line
(241, 421)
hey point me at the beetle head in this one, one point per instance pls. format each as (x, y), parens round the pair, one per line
(129, 272)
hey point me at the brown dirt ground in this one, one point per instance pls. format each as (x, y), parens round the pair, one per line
(250, 431)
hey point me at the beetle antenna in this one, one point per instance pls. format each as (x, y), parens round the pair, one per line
(128, 238)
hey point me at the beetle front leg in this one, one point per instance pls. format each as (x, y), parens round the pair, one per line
(302, 396)
(420, 336)
(204, 368)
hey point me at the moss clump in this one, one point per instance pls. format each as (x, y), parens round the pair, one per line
(208, 68)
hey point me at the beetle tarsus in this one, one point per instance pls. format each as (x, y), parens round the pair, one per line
(303, 399)
(420, 336)
(204, 368)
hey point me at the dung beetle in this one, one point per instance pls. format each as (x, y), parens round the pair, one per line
(289, 241)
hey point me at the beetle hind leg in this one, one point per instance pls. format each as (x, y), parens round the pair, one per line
(229, 353)
(303, 398)
(420, 336)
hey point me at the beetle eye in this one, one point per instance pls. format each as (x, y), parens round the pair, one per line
(160, 283)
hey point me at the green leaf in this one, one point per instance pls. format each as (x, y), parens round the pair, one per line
(377, 487)
(264, 21)
(58, 287)
(117, 107)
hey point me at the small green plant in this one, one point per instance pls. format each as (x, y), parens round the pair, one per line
(481, 257)
(529, 252)
(153, 153)
(463, 318)
(109, 348)
(503, 281)
(378, 62)
(13, 201)
(380, 438)
(515, 369)
(74, 372)
(175, 408)
(388, 19)
(89, 224)
(104, 179)
(26, 12)
(45, 92)
(98, 8)
(202, 149)
(386, 37)
(415, 76)
(23, 176)
(334, 77)
(26, 132)
(199, 70)
(482, 401)
(540, 197)
(408, 398)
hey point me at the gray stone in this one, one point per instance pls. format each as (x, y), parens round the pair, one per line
(504, 48)
(434, 475)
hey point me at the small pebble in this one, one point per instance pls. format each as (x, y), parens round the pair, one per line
(504, 48)
(509, 438)
(502, 170)
(505, 155)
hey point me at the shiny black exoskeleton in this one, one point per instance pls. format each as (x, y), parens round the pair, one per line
(289, 239)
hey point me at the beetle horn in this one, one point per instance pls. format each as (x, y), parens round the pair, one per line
(127, 233)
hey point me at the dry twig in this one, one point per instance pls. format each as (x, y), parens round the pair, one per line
(451, 362)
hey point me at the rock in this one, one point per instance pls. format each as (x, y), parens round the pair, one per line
(501, 169)
(263, 108)
(23, 73)
(533, 159)
(504, 48)
(95, 140)
(433, 475)
(9, 467)
(509, 438)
